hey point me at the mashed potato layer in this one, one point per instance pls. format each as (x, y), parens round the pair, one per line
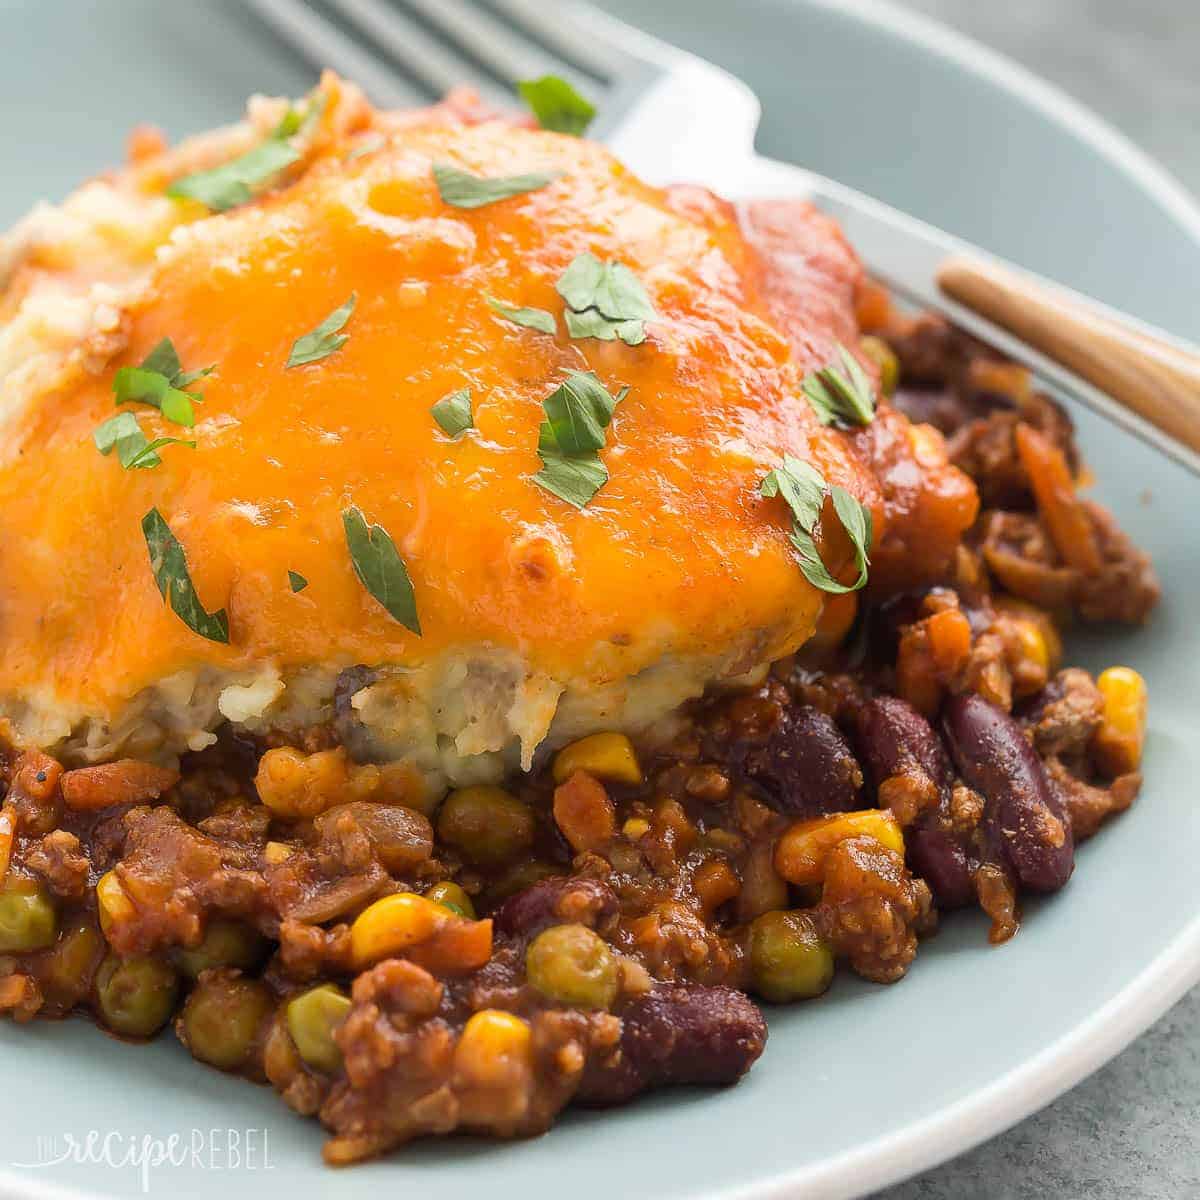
(539, 621)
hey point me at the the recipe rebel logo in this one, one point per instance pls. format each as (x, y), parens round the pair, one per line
(149, 1155)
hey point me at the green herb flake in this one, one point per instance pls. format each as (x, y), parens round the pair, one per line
(801, 486)
(123, 434)
(575, 480)
(300, 118)
(803, 490)
(461, 189)
(604, 300)
(531, 318)
(169, 565)
(296, 581)
(380, 569)
(557, 105)
(160, 381)
(843, 395)
(578, 413)
(325, 339)
(593, 324)
(453, 413)
(233, 183)
(578, 284)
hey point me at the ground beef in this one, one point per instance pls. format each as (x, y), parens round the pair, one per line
(395, 966)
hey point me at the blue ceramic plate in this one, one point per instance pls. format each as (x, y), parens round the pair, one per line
(870, 1083)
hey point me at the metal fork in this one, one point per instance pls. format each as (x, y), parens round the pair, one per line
(673, 117)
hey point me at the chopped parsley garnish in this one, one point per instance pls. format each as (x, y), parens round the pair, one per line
(593, 324)
(531, 318)
(578, 412)
(464, 190)
(296, 581)
(169, 565)
(325, 339)
(604, 300)
(453, 412)
(803, 489)
(844, 396)
(232, 183)
(300, 118)
(380, 569)
(557, 105)
(160, 381)
(123, 434)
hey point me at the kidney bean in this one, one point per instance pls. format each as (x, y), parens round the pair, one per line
(803, 764)
(1022, 811)
(675, 1034)
(894, 739)
(941, 859)
(557, 900)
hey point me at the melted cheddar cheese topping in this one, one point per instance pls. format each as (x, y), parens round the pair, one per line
(676, 557)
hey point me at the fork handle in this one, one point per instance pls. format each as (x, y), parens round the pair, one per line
(1157, 380)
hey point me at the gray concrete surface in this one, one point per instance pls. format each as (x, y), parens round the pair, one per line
(1132, 1131)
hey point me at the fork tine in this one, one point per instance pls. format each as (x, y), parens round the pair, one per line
(416, 50)
(561, 35)
(326, 46)
(491, 42)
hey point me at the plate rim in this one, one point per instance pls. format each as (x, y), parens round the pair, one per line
(1054, 1070)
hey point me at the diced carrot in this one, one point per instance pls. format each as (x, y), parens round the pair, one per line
(949, 640)
(1065, 518)
(125, 782)
(584, 812)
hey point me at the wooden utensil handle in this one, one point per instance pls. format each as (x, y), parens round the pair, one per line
(1154, 378)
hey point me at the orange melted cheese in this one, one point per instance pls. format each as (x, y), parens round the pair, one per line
(676, 555)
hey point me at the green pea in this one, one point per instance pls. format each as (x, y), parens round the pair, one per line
(27, 917)
(136, 996)
(517, 878)
(573, 965)
(450, 895)
(69, 967)
(882, 355)
(486, 825)
(225, 944)
(788, 960)
(222, 1017)
(312, 1018)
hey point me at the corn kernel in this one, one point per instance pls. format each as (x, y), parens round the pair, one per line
(605, 755)
(1117, 744)
(802, 851)
(112, 901)
(449, 895)
(394, 924)
(1039, 639)
(635, 828)
(493, 1044)
(276, 852)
